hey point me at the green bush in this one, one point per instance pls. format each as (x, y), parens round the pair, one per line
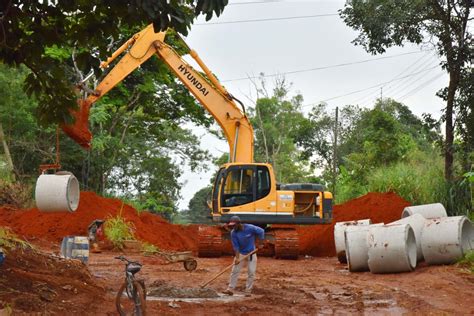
(419, 180)
(468, 261)
(118, 230)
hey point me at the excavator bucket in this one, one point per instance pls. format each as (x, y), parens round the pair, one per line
(79, 131)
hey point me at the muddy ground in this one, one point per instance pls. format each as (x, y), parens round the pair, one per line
(305, 286)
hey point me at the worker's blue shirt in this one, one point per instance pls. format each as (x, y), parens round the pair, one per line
(243, 240)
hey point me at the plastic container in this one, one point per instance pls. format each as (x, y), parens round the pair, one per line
(75, 247)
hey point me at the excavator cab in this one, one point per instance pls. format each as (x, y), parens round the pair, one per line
(250, 191)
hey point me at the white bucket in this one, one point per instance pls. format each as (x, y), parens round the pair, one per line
(417, 222)
(339, 229)
(391, 249)
(427, 210)
(57, 192)
(445, 240)
(357, 247)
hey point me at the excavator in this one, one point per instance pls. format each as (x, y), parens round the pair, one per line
(241, 187)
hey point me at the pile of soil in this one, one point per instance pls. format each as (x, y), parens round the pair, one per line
(53, 227)
(318, 240)
(34, 282)
(161, 288)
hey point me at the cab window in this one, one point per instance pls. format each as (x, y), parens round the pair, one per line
(238, 186)
(263, 182)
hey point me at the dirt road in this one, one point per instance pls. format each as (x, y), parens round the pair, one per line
(306, 286)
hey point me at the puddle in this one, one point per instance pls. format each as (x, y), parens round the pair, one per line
(162, 291)
(220, 298)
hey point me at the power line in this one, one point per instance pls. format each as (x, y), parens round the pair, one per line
(271, 19)
(371, 87)
(401, 83)
(422, 86)
(322, 68)
(369, 96)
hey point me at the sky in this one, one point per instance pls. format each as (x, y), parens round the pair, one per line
(308, 43)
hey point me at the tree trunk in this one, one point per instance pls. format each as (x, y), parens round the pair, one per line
(7, 152)
(448, 148)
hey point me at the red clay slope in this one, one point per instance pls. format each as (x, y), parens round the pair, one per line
(318, 240)
(54, 226)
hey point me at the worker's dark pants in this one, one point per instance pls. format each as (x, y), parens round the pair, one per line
(251, 270)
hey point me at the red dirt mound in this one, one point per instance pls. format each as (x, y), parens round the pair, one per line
(54, 226)
(35, 283)
(318, 240)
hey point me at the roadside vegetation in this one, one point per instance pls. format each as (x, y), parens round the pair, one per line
(118, 230)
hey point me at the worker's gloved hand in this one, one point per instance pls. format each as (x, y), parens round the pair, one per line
(237, 259)
(260, 246)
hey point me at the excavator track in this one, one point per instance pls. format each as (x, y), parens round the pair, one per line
(286, 243)
(209, 242)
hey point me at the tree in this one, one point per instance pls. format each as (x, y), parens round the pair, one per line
(277, 121)
(31, 32)
(198, 210)
(385, 23)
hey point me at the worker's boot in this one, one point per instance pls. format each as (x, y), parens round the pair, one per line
(228, 291)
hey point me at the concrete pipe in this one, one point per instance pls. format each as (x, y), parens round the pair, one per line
(417, 222)
(339, 229)
(57, 192)
(391, 249)
(445, 240)
(357, 248)
(427, 210)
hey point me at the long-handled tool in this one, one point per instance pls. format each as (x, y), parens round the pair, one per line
(227, 268)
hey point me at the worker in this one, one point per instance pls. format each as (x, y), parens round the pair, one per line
(95, 233)
(243, 242)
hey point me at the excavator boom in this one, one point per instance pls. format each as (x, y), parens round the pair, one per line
(215, 98)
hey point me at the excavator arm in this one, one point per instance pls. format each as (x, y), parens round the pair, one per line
(208, 91)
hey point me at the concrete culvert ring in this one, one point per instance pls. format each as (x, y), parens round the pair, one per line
(467, 236)
(434, 210)
(445, 240)
(411, 247)
(339, 239)
(392, 249)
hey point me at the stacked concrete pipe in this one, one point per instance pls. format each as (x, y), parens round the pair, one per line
(58, 192)
(392, 249)
(357, 247)
(417, 222)
(445, 240)
(339, 229)
(434, 210)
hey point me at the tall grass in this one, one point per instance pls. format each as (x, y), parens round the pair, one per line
(8, 240)
(118, 230)
(419, 180)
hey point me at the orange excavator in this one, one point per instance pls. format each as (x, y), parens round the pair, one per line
(242, 187)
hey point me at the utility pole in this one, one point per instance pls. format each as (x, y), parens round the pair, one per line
(381, 94)
(334, 158)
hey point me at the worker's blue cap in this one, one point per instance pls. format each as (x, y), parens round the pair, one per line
(234, 220)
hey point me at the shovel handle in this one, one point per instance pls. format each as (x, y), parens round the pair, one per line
(227, 268)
